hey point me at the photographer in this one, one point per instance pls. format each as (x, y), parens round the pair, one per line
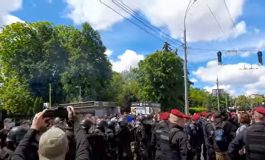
(53, 144)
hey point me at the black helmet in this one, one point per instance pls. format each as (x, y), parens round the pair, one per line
(102, 125)
(16, 134)
(86, 124)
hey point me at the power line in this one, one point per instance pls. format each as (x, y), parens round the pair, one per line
(215, 18)
(224, 50)
(134, 14)
(143, 20)
(139, 26)
(229, 13)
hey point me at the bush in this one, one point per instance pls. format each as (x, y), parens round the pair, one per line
(193, 110)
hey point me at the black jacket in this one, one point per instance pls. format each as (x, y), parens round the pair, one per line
(253, 138)
(26, 146)
(227, 127)
(178, 141)
(170, 142)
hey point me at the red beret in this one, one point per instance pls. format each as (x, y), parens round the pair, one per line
(164, 116)
(195, 116)
(177, 113)
(260, 110)
(204, 113)
(185, 116)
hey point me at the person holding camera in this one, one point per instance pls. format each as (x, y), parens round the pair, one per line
(53, 144)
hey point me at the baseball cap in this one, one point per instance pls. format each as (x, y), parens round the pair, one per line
(53, 144)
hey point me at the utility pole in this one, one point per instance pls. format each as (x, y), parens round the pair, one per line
(185, 73)
(185, 68)
(218, 98)
(50, 95)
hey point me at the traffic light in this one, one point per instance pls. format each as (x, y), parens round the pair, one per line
(260, 58)
(219, 57)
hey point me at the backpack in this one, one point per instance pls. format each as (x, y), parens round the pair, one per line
(219, 134)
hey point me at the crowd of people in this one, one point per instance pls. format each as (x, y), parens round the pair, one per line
(164, 136)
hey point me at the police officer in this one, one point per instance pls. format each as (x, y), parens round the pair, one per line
(14, 136)
(124, 140)
(208, 135)
(111, 140)
(171, 139)
(195, 134)
(98, 141)
(158, 128)
(143, 139)
(253, 138)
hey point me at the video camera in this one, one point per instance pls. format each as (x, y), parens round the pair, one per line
(60, 112)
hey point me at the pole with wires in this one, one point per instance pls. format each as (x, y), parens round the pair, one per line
(185, 68)
(218, 94)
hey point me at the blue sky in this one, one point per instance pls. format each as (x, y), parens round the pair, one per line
(127, 44)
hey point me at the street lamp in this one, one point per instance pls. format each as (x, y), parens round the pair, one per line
(80, 93)
(185, 59)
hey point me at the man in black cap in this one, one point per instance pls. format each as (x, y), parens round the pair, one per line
(253, 138)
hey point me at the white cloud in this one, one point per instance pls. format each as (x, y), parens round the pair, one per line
(245, 54)
(166, 13)
(108, 52)
(6, 7)
(194, 80)
(261, 45)
(233, 77)
(129, 59)
(94, 12)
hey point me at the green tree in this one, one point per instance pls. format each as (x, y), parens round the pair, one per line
(32, 53)
(242, 102)
(15, 96)
(88, 66)
(257, 101)
(160, 76)
(198, 97)
(36, 54)
(123, 89)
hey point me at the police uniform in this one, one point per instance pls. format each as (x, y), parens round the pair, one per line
(208, 133)
(171, 141)
(253, 138)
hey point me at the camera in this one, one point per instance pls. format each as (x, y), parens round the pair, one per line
(60, 112)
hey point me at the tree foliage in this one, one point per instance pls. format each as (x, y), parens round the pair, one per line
(124, 89)
(198, 97)
(32, 55)
(160, 76)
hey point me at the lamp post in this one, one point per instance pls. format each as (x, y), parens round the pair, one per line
(185, 59)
